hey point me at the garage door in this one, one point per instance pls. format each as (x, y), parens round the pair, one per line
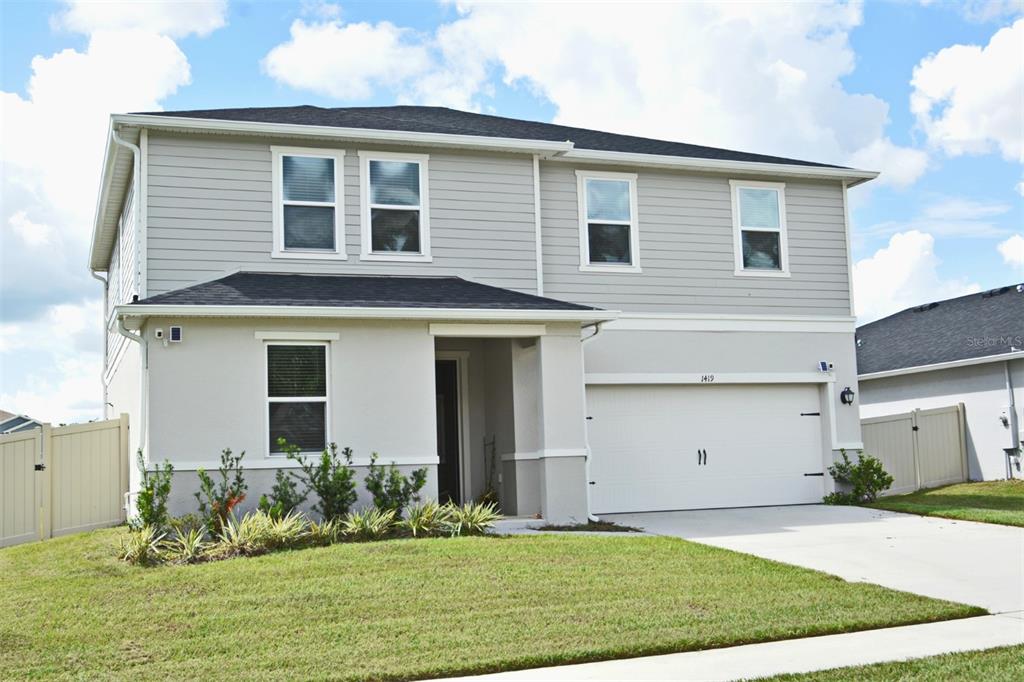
(697, 446)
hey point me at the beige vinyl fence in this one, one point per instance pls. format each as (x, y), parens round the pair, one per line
(60, 480)
(920, 449)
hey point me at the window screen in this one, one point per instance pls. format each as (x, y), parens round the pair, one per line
(297, 396)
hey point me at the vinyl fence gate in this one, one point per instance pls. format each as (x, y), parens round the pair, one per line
(61, 480)
(920, 449)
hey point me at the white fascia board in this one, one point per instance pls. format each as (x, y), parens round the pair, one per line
(109, 154)
(732, 322)
(855, 176)
(332, 312)
(332, 132)
(967, 362)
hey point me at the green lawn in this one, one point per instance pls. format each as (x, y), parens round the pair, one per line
(989, 502)
(992, 665)
(412, 608)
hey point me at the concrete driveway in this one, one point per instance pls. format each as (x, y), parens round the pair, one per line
(971, 563)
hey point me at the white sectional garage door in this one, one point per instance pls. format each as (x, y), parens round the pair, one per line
(666, 447)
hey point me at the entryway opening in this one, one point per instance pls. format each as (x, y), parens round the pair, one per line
(449, 438)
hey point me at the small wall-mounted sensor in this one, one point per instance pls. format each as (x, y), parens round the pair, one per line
(175, 334)
(158, 333)
(824, 366)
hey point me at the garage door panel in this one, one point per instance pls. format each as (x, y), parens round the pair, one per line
(645, 442)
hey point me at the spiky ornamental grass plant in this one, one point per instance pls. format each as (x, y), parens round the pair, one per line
(428, 519)
(471, 518)
(142, 547)
(186, 547)
(369, 524)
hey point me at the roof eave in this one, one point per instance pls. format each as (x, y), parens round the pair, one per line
(379, 313)
(109, 155)
(966, 362)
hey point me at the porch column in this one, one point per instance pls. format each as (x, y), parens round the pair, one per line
(562, 447)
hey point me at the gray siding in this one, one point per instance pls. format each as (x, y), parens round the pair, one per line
(209, 213)
(686, 249)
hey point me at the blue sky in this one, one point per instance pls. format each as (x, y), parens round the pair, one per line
(827, 81)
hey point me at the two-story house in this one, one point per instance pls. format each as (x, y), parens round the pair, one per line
(582, 321)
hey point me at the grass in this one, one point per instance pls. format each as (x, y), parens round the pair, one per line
(1005, 664)
(402, 609)
(988, 502)
(591, 527)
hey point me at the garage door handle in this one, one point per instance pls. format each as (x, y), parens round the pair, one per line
(819, 473)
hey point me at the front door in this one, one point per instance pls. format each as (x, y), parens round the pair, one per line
(446, 373)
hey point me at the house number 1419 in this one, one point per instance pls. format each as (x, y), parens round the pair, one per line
(707, 378)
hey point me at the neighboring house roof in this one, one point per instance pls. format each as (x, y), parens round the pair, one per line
(453, 122)
(10, 422)
(355, 291)
(965, 329)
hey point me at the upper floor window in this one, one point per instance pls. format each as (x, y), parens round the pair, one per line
(395, 216)
(609, 236)
(759, 228)
(308, 203)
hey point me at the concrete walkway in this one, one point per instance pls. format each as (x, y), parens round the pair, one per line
(795, 655)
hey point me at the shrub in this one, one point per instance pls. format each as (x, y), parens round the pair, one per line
(370, 524)
(865, 479)
(187, 547)
(325, 532)
(392, 490)
(242, 537)
(425, 520)
(285, 532)
(151, 502)
(284, 496)
(331, 477)
(186, 523)
(142, 547)
(223, 497)
(471, 518)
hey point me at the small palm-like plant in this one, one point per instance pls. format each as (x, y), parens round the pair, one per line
(471, 518)
(426, 519)
(285, 532)
(243, 537)
(369, 524)
(187, 546)
(142, 547)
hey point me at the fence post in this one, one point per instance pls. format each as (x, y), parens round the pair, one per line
(917, 450)
(961, 418)
(44, 481)
(125, 463)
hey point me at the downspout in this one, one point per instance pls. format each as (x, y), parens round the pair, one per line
(1012, 405)
(586, 434)
(103, 369)
(536, 224)
(144, 387)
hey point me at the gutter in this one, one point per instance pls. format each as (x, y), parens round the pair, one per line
(335, 312)
(967, 362)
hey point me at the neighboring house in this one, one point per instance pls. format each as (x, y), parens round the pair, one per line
(966, 350)
(12, 423)
(539, 305)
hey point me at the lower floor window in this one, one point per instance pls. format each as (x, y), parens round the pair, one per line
(297, 396)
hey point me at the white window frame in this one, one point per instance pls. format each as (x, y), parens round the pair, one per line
(738, 229)
(423, 256)
(277, 180)
(281, 340)
(634, 223)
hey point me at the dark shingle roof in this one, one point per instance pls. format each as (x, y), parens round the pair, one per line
(450, 121)
(355, 291)
(972, 326)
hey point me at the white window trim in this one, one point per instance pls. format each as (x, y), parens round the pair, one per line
(634, 224)
(277, 191)
(424, 208)
(326, 399)
(737, 229)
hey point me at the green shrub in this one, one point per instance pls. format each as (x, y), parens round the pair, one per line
(369, 524)
(284, 496)
(151, 502)
(186, 547)
(221, 498)
(331, 477)
(142, 547)
(322, 533)
(186, 523)
(285, 532)
(242, 537)
(471, 518)
(426, 520)
(392, 490)
(865, 479)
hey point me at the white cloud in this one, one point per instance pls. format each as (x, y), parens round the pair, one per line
(1020, 188)
(1012, 251)
(948, 217)
(900, 166)
(967, 98)
(172, 18)
(346, 61)
(900, 275)
(764, 77)
(32, 234)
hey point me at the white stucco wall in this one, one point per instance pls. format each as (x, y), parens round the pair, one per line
(124, 393)
(982, 390)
